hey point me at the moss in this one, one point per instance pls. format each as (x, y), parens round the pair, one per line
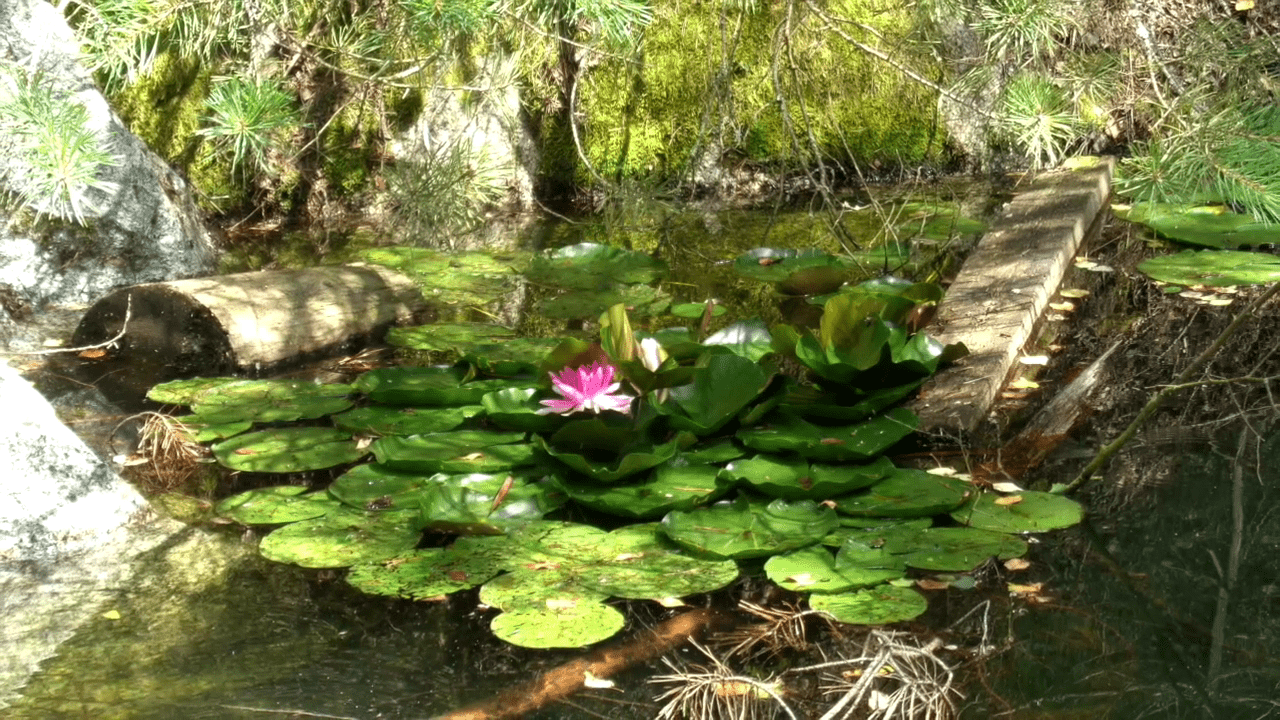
(647, 118)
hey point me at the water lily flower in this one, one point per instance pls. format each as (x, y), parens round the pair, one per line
(651, 354)
(589, 388)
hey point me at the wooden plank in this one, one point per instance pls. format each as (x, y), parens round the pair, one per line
(1002, 290)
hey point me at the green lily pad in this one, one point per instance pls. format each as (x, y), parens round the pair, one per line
(517, 409)
(284, 450)
(480, 503)
(589, 266)
(511, 357)
(780, 264)
(266, 401)
(873, 531)
(607, 452)
(1215, 268)
(187, 391)
(745, 529)
(564, 624)
(954, 549)
(343, 538)
(795, 479)
(641, 563)
(384, 420)
(473, 278)
(907, 493)
(722, 385)
(426, 573)
(670, 487)
(202, 431)
(873, 606)
(710, 453)
(813, 569)
(750, 339)
(814, 402)
(860, 442)
(425, 386)
(1035, 512)
(936, 221)
(448, 337)
(378, 487)
(275, 505)
(1211, 226)
(460, 451)
(640, 301)
(695, 311)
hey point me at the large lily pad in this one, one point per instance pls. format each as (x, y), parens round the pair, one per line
(377, 487)
(954, 549)
(384, 420)
(343, 538)
(427, 572)
(1211, 226)
(745, 529)
(590, 266)
(640, 562)
(510, 357)
(449, 337)
(266, 401)
(605, 451)
(275, 505)
(860, 442)
(425, 386)
(670, 487)
(796, 479)
(188, 390)
(286, 450)
(907, 493)
(516, 408)
(460, 451)
(1215, 268)
(480, 503)
(1028, 511)
(562, 623)
(723, 384)
(814, 569)
(750, 339)
(873, 606)
(781, 264)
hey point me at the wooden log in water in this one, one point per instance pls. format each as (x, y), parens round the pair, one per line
(247, 322)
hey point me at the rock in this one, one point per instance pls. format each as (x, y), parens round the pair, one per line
(145, 228)
(69, 527)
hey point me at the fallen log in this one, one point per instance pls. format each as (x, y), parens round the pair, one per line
(244, 323)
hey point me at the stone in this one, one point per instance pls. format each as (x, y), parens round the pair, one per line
(146, 228)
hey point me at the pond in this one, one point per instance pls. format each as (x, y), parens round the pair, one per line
(214, 630)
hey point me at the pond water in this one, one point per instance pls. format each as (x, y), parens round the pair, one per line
(212, 630)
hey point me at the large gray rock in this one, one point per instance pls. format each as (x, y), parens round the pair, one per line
(69, 527)
(147, 228)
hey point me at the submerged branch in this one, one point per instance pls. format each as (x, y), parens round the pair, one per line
(1153, 404)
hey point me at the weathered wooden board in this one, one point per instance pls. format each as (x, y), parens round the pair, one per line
(1002, 290)
(243, 322)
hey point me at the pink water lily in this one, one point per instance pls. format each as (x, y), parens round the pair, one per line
(589, 388)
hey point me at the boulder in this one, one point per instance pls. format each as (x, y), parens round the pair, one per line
(144, 228)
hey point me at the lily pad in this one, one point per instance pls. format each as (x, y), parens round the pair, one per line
(558, 624)
(605, 452)
(455, 278)
(1033, 512)
(425, 386)
(517, 409)
(779, 264)
(590, 266)
(907, 493)
(449, 337)
(670, 487)
(377, 487)
(275, 505)
(722, 385)
(873, 531)
(954, 549)
(187, 391)
(695, 311)
(640, 301)
(460, 451)
(286, 450)
(873, 606)
(480, 503)
(860, 442)
(384, 420)
(641, 563)
(343, 538)
(511, 357)
(1213, 226)
(426, 573)
(745, 529)
(266, 401)
(813, 569)
(749, 338)
(795, 479)
(1214, 268)
(202, 431)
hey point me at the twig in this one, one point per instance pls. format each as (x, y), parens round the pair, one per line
(124, 327)
(1153, 404)
(1227, 583)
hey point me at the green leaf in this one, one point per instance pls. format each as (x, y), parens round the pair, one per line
(429, 386)
(796, 479)
(954, 549)
(343, 538)
(670, 487)
(1035, 512)
(695, 311)
(745, 529)
(475, 504)
(606, 452)
(274, 505)
(563, 624)
(188, 391)
(907, 493)
(517, 409)
(449, 337)
(383, 420)
(286, 450)
(722, 385)
(1215, 268)
(266, 401)
(512, 357)
(589, 266)
(813, 569)
(749, 338)
(641, 563)
(874, 606)
(780, 264)
(1211, 226)
(860, 442)
(616, 337)
(474, 278)
(460, 451)
(640, 300)
(378, 486)
(426, 573)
